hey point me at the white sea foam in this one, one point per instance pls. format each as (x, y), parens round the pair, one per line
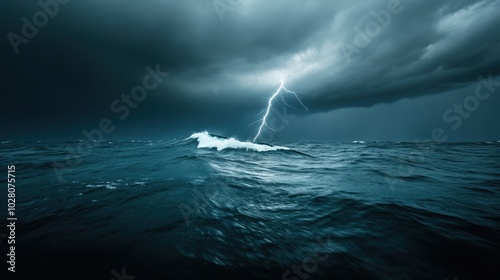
(205, 140)
(107, 186)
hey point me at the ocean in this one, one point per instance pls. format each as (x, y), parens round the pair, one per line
(209, 207)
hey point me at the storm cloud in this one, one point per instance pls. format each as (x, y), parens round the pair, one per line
(225, 58)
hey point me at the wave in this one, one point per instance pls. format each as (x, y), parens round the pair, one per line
(207, 140)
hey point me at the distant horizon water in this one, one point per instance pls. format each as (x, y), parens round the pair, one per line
(183, 209)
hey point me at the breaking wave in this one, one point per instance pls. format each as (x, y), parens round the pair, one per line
(207, 140)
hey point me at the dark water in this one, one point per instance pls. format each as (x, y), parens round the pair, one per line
(168, 210)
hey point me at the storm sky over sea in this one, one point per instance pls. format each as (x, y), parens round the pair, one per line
(383, 70)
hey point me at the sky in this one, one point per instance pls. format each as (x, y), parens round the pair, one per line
(385, 70)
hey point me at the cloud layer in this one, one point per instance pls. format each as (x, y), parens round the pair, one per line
(336, 54)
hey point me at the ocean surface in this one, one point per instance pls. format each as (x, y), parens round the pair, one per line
(207, 207)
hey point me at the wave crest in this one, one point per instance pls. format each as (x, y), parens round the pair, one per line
(206, 140)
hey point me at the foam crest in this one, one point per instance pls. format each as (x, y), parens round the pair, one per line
(205, 140)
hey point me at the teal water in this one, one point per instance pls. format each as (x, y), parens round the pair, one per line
(171, 210)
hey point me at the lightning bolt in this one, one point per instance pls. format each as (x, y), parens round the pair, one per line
(270, 105)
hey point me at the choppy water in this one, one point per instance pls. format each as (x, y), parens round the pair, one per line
(171, 210)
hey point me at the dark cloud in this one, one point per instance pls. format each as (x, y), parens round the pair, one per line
(65, 78)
